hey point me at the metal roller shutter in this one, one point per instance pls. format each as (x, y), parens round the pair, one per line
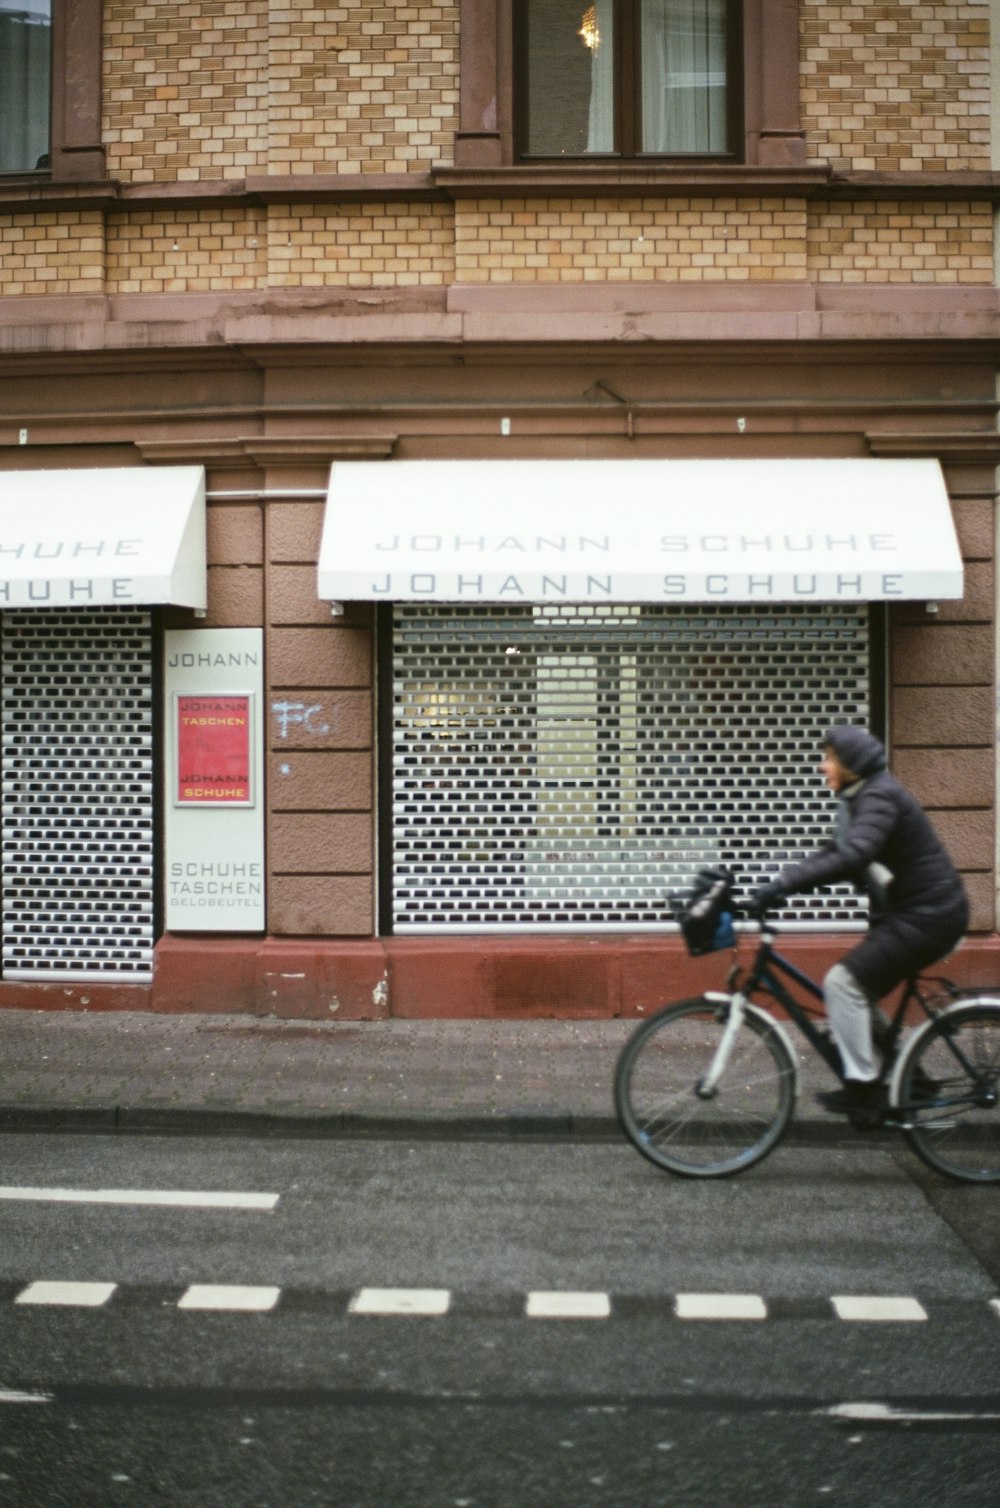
(568, 767)
(78, 815)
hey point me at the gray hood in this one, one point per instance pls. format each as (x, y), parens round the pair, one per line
(856, 748)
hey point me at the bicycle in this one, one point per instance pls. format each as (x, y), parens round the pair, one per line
(707, 1086)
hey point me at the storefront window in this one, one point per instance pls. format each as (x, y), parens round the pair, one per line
(571, 766)
(25, 84)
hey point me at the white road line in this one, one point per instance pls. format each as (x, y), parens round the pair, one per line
(884, 1413)
(568, 1306)
(182, 1198)
(871, 1308)
(8, 1395)
(79, 1295)
(400, 1301)
(720, 1306)
(995, 1306)
(228, 1296)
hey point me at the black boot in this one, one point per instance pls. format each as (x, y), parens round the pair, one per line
(862, 1103)
(865, 1103)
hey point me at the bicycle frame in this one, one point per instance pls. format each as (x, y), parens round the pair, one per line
(764, 976)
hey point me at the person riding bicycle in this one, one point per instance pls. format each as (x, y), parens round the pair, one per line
(918, 909)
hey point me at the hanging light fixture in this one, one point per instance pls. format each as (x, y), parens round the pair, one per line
(588, 29)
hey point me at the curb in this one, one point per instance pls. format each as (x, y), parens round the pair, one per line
(541, 1124)
(554, 1124)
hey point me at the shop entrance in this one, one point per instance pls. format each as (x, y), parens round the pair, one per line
(78, 826)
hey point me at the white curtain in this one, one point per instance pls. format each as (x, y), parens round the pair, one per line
(683, 45)
(601, 128)
(25, 42)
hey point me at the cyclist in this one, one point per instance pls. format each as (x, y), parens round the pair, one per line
(918, 908)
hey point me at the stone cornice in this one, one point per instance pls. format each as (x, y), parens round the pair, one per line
(971, 447)
(272, 328)
(557, 180)
(264, 450)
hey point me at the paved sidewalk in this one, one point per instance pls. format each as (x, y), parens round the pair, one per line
(133, 1070)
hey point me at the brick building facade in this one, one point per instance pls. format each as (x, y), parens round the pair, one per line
(266, 240)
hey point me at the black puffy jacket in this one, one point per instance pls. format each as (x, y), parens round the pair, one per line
(885, 826)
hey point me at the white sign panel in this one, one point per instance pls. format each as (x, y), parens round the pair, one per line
(639, 531)
(213, 684)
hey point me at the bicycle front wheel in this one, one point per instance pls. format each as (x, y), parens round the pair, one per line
(668, 1114)
(949, 1093)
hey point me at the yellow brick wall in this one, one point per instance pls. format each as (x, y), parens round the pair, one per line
(642, 240)
(901, 242)
(362, 88)
(186, 251)
(229, 88)
(52, 253)
(395, 245)
(185, 89)
(235, 88)
(895, 87)
(361, 245)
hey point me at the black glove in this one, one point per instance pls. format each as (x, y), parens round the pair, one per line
(767, 897)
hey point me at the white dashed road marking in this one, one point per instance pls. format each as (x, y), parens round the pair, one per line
(228, 1296)
(540, 1304)
(720, 1306)
(884, 1413)
(568, 1306)
(82, 1295)
(400, 1301)
(180, 1198)
(872, 1309)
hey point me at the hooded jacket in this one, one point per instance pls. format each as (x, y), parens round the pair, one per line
(881, 824)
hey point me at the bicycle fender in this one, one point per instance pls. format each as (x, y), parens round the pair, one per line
(921, 1032)
(779, 1031)
(719, 997)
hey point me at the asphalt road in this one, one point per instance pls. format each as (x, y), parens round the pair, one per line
(132, 1391)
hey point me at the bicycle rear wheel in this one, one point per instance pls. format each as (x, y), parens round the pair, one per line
(949, 1093)
(669, 1118)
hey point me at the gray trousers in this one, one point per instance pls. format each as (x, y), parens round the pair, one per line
(849, 1010)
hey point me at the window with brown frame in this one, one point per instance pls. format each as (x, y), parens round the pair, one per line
(762, 104)
(627, 78)
(50, 89)
(25, 84)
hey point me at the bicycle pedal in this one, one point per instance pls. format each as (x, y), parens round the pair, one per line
(899, 1120)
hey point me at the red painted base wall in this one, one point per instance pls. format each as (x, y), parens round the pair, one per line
(461, 977)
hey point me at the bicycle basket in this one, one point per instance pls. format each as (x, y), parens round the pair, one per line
(706, 916)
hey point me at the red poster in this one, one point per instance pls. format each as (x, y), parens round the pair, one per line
(213, 751)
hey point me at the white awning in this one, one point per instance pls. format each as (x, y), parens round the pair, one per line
(638, 531)
(103, 537)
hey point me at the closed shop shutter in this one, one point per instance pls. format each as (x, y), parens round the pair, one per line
(78, 814)
(569, 767)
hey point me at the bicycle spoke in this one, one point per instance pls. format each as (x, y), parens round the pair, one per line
(954, 1126)
(727, 1129)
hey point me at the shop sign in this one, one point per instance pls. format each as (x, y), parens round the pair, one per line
(214, 750)
(213, 681)
(103, 536)
(645, 530)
